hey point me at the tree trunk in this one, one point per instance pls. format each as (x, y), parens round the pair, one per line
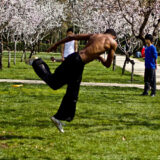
(0, 59)
(22, 57)
(9, 59)
(38, 46)
(52, 38)
(124, 66)
(25, 55)
(1, 52)
(114, 63)
(32, 51)
(132, 72)
(15, 50)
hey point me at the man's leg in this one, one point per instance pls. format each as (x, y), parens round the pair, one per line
(153, 82)
(67, 108)
(56, 80)
(146, 81)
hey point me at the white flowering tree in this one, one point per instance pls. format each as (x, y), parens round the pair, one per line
(50, 16)
(131, 19)
(134, 17)
(29, 21)
(7, 11)
(142, 16)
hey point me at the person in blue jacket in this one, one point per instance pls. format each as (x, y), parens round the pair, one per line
(151, 56)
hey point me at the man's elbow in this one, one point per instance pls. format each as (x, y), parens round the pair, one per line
(108, 65)
(71, 38)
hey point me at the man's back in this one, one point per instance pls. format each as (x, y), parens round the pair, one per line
(97, 45)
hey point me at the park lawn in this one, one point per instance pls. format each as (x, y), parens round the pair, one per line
(93, 72)
(110, 124)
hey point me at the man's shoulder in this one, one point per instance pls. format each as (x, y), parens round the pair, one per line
(153, 46)
(114, 43)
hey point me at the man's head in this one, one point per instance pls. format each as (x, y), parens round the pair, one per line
(148, 39)
(111, 32)
(69, 31)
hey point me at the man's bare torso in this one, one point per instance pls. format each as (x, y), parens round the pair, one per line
(97, 45)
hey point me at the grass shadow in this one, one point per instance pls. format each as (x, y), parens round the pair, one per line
(119, 122)
(9, 137)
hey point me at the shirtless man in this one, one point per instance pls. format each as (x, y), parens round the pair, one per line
(70, 71)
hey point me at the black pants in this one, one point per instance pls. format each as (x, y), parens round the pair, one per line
(150, 80)
(70, 73)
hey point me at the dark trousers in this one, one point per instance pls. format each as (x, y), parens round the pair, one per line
(150, 80)
(70, 73)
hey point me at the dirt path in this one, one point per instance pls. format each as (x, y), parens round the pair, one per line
(138, 69)
(83, 83)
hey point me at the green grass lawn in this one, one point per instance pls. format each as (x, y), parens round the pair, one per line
(110, 124)
(93, 72)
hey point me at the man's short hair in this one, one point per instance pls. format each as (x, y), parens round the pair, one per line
(149, 37)
(69, 30)
(111, 31)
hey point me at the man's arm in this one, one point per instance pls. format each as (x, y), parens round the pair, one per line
(76, 46)
(154, 52)
(107, 63)
(68, 39)
(155, 55)
(82, 36)
(62, 52)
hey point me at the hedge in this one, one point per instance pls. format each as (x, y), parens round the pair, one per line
(20, 46)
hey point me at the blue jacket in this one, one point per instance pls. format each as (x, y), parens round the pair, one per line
(151, 55)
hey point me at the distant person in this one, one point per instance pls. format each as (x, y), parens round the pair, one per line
(67, 48)
(143, 52)
(150, 66)
(138, 54)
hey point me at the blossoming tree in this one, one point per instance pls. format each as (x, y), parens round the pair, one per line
(131, 19)
(29, 21)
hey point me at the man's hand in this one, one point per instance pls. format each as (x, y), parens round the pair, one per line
(53, 59)
(103, 61)
(107, 62)
(100, 59)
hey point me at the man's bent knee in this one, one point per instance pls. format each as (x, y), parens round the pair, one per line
(53, 85)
